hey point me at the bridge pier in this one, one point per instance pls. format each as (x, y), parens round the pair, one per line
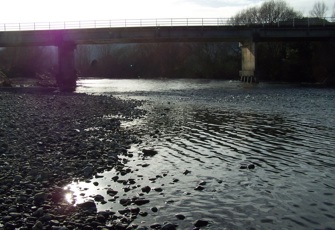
(247, 73)
(66, 76)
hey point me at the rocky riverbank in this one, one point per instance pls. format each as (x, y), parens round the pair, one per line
(46, 140)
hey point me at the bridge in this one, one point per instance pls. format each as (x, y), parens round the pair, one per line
(67, 35)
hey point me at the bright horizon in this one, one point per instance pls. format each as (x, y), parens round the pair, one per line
(16, 11)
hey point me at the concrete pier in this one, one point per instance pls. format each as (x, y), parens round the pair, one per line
(66, 77)
(247, 73)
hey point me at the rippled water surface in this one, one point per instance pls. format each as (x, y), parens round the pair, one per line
(208, 133)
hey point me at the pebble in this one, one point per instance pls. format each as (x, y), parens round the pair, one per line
(154, 209)
(180, 216)
(251, 166)
(146, 189)
(199, 188)
(169, 226)
(200, 223)
(141, 201)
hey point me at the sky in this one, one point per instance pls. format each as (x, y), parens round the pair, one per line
(20, 11)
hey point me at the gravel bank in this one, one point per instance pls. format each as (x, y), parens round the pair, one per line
(46, 140)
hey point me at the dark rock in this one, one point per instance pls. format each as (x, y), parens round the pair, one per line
(142, 228)
(143, 213)
(169, 226)
(180, 216)
(89, 206)
(38, 226)
(146, 189)
(123, 211)
(202, 183)
(251, 166)
(156, 226)
(57, 195)
(186, 172)
(158, 189)
(243, 167)
(111, 192)
(154, 209)
(149, 152)
(199, 188)
(125, 202)
(200, 223)
(39, 198)
(141, 201)
(95, 183)
(99, 198)
(101, 218)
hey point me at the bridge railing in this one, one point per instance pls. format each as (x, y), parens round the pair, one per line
(161, 22)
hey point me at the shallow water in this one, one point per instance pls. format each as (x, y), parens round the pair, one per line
(204, 131)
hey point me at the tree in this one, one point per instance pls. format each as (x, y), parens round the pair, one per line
(269, 12)
(319, 10)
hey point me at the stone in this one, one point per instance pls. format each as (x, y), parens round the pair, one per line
(169, 226)
(186, 172)
(111, 192)
(99, 198)
(39, 212)
(199, 188)
(39, 198)
(146, 189)
(57, 195)
(202, 183)
(125, 202)
(154, 209)
(158, 189)
(88, 171)
(251, 166)
(142, 228)
(156, 226)
(200, 223)
(38, 226)
(141, 201)
(243, 167)
(89, 206)
(180, 216)
(149, 152)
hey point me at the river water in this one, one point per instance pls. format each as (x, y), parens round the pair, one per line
(263, 154)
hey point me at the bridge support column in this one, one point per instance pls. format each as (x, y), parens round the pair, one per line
(66, 77)
(247, 73)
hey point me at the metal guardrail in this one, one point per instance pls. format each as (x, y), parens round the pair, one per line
(163, 22)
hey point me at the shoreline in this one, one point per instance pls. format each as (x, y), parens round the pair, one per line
(47, 140)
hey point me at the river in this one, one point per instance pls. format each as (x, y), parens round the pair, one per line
(260, 156)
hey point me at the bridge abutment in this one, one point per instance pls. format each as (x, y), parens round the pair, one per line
(247, 74)
(66, 77)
